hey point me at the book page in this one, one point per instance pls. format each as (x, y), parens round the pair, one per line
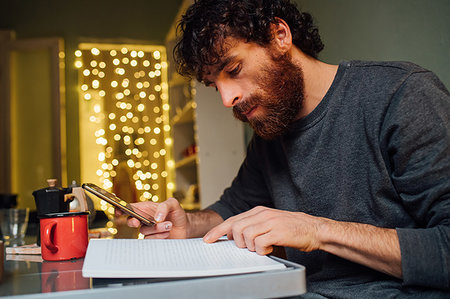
(122, 258)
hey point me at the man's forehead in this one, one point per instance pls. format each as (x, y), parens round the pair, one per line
(216, 68)
(228, 53)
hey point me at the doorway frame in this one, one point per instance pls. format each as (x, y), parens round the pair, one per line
(55, 46)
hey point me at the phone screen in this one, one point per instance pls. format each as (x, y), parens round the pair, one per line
(118, 203)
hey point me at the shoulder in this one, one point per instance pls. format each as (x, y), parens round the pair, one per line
(401, 67)
(386, 75)
(383, 80)
(418, 108)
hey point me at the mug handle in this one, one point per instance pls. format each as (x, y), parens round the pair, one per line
(48, 229)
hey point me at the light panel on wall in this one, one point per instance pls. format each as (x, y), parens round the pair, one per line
(124, 120)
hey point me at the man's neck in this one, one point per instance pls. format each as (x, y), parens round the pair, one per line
(318, 77)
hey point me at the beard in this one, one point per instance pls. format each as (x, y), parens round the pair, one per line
(279, 97)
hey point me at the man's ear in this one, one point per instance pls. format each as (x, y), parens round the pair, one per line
(282, 38)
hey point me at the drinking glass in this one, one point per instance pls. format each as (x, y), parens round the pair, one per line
(14, 224)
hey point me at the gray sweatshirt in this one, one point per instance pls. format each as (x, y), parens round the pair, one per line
(376, 150)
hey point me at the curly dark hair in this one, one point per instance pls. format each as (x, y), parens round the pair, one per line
(207, 23)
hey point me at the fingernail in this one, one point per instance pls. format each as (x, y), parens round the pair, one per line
(206, 238)
(159, 217)
(168, 226)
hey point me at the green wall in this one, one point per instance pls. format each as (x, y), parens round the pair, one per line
(407, 30)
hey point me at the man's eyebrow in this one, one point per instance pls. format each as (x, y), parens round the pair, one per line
(227, 60)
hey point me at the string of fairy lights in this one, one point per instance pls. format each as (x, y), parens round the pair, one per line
(126, 90)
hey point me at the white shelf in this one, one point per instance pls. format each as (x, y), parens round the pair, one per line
(191, 206)
(185, 115)
(188, 161)
(178, 80)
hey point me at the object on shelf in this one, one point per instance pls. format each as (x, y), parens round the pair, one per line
(179, 195)
(192, 200)
(192, 194)
(190, 150)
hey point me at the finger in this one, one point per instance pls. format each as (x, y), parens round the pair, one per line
(133, 222)
(156, 229)
(118, 212)
(158, 236)
(236, 230)
(216, 232)
(147, 207)
(226, 227)
(165, 207)
(251, 232)
(263, 244)
(245, 230)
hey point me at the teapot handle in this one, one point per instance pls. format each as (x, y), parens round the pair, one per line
(78, 192)
(69, 197)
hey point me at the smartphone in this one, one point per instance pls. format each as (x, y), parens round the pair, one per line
(118, 203)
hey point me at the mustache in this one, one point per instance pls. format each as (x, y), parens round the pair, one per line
(244, 106)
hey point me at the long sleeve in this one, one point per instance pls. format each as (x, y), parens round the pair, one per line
(415, 136)
(247, 190)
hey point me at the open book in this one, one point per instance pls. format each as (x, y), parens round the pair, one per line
(131, 258)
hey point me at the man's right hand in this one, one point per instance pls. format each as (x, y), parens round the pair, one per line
(172, 221)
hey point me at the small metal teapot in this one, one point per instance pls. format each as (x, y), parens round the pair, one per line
(52, 199)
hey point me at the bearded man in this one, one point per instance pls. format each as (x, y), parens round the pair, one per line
(349, 166)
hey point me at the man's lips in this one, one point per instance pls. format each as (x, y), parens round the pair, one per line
(250, 112)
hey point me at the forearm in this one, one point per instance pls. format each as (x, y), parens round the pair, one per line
(199, 223)
(374, 247)
(260, 228)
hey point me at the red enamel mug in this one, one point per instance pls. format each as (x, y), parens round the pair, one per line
(64, 236)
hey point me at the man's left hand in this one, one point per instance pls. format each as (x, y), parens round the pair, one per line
(260, 228)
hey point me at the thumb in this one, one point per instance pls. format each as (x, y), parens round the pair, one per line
(161, 212)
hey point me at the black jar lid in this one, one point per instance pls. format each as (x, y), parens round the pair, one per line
(63, 214)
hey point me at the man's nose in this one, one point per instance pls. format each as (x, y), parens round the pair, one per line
(231, 94)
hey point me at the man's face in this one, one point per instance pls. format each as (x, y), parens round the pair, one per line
(265, 91)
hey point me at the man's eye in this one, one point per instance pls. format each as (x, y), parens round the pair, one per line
(235, 71)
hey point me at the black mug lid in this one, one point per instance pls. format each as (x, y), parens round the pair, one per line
(62, 214)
